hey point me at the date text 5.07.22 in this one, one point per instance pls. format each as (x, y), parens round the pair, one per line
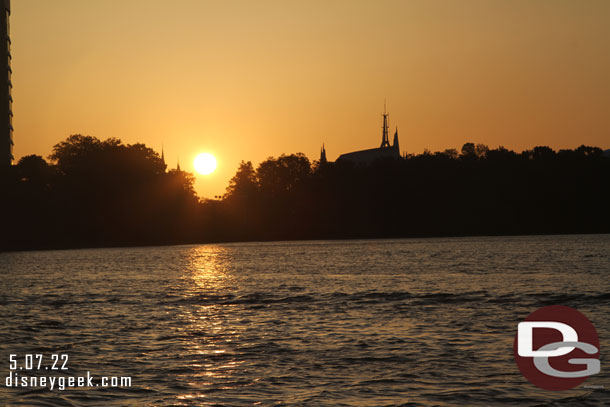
(38, 361)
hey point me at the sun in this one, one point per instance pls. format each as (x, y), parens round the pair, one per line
(205, 163)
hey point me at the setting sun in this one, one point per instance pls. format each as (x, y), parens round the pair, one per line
(205, 163)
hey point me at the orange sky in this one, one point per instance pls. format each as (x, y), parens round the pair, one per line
(250, 79)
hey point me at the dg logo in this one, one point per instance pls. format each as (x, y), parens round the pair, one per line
(556, 348)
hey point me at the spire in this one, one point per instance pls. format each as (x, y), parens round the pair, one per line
(323, 155)
(178, 165)
(395, 143)
(162, 154)
(385, 142)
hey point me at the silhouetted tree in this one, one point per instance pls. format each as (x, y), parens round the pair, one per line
(501, 154)
(283, 173)
(468, 151)
(481, 150)
(34, 169)
(539, 153)
(243, 183)
(588, 151)
(104, 193)
(451, 153)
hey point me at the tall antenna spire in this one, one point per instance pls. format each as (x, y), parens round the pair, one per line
(385, 142)
(162, 154)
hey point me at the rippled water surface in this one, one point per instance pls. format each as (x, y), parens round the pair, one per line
(319, 323)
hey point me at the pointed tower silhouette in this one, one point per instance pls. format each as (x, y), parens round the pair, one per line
(385, 142)
(323, 155)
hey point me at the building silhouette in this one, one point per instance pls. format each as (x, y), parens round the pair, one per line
(323, 155)
(386, 150)
(6, 101)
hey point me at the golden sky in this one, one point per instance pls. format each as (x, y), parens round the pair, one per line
(251, 79)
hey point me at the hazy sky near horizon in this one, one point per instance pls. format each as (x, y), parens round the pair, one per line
(245, 80)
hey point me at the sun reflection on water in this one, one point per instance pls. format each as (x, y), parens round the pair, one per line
(209, 267)
(208, 332)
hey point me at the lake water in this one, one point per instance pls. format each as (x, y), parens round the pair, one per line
(413, 322)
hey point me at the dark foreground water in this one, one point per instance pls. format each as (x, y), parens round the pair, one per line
(341, 323)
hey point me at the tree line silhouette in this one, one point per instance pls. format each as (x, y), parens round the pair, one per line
(106, 193)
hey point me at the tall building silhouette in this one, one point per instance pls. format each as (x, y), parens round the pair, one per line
(6, 101)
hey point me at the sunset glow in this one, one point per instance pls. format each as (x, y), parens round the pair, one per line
(279, 77)
(205, 163)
